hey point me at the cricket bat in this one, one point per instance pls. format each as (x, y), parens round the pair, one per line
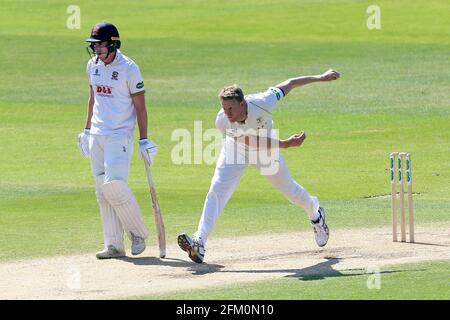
(160, 231)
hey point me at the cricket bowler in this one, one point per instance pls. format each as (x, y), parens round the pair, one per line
(243, 119)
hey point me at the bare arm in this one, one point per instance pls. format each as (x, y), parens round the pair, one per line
(89, 108)
(292, 83)
(295, 140)
(141, 113)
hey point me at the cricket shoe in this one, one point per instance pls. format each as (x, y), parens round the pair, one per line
(195, 250)
(109, 253)
(137, 244)
(321, 231)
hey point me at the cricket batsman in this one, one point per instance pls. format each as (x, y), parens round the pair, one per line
(247, 124)
(116, 101)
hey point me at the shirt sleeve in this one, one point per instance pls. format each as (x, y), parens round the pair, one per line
(268, 99)
(135, 82)
(221, 121)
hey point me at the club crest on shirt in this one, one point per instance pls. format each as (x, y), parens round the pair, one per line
(260, 123)
(115, 75)
(234, 133)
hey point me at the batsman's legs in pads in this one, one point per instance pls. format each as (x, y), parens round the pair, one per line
(112, 227)
(121, 198)
(111, 155)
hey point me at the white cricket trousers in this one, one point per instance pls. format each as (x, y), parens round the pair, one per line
(225, 180)
(110, 163)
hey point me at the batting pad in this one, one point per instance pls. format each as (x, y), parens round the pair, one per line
(121, 198)
(112, 227)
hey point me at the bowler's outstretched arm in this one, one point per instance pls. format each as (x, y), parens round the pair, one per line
(292, 83)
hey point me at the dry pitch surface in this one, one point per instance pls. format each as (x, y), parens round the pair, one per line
(228, 261)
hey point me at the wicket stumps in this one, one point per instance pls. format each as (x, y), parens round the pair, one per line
(401, 157)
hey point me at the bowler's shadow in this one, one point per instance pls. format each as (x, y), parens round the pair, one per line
(318, 271)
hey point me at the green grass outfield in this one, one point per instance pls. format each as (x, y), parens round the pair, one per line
(393, 95)
(407, 281)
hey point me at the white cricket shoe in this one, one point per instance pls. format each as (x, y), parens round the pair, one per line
(195, 250)
(109, 253)
(137, 244)
(321, 231)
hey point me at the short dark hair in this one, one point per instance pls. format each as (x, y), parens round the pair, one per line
(232, 92)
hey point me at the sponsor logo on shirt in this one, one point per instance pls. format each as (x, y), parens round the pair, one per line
(96, 73)
(104, 91)
(276, 93)
(140, 85)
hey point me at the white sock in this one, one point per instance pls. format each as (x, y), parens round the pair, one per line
(314, 216)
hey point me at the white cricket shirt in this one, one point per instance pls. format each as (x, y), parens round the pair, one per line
(259, 117)
(113, 85)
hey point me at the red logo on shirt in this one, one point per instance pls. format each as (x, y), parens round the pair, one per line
(104, 89)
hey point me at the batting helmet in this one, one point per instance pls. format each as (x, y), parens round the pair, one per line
(105, 31)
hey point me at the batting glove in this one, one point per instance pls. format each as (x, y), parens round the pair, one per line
(148, 150)
(83, 142)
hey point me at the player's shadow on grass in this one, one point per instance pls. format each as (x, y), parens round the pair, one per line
(197, 269)
(318, 271)
(324, 270)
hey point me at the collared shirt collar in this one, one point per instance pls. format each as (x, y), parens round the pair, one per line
(117, 58)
